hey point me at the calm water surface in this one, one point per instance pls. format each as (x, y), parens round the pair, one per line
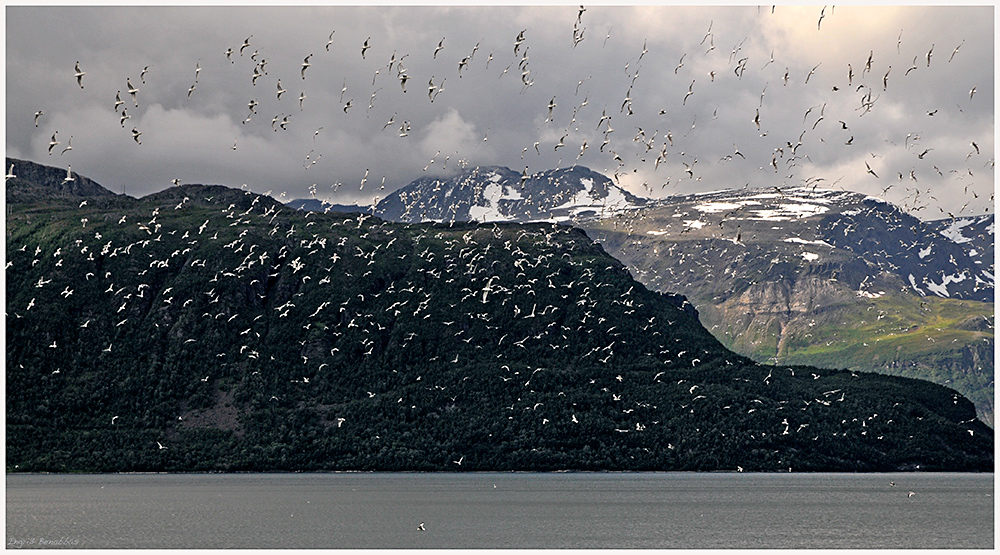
(501, 510)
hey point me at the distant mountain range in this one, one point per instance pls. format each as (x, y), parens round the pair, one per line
(316, 205)
(780, 275)
(208, 328)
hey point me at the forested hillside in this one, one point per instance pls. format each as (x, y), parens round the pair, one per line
(208, 328)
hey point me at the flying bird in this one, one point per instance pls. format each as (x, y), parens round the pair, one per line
(132, 91)
(79, 75)
(955, 51)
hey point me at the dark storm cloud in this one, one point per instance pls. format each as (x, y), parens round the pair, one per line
(486, 115)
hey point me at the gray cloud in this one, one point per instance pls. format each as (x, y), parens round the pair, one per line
(192, 138)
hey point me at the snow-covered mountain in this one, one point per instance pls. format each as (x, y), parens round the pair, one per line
(496, 193)
(819, 226)
(974, 234)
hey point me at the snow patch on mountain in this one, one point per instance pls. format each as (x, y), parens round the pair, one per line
(941, 289)
(491, 211)
(954, 231)
(804, 242)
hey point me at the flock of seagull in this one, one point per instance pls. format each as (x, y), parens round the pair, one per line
(642, 147)
(463, 255)
(445, 256)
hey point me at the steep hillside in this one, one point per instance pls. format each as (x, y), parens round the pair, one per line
(206, 328)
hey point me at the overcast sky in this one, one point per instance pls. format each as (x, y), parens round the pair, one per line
(910, 119)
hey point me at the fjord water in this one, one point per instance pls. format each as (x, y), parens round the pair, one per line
(501, 510)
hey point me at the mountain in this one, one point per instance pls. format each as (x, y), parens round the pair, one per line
(316, 205)
(208, 328)
(496, 194)
(826, 278)
(766, 267)
(23, 186)
(974, 234)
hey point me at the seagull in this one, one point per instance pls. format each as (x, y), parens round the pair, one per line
(305, 64)
(132, 90)
(53, 142)
(10, 173)
(439, 48)
(420, 527)
(69, 174)
(142, 74)
(246, 43)
(280, 90)
(689, 93)
(160, 445)
(330, 40)
(811, 71)
(79, 75)
(365, 47)
(69, 146)
(518, 40)
(39, 113)
(459, 461)
(870, 170)
(135, 135)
